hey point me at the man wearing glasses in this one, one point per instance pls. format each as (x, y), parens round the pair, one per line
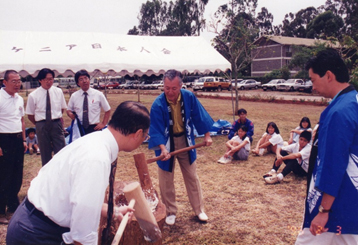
(173, 116)
(86, 103)
(12, 143)
(44, 108)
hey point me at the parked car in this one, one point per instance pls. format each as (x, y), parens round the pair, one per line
(306, 87)
(198, 84)
(233, 83)
(248, 84)
(156, 84)
(290, 85)
(109, 85)
(215, 83)
(126, 85)
(273, 84)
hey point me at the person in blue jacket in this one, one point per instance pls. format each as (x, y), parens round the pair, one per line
(242, 121)
(331, 213)
(173, 115)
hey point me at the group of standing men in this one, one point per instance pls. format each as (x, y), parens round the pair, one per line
(69, 204)
(45, 107)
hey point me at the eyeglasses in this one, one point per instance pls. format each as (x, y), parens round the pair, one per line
(147, 137)
(15, 81)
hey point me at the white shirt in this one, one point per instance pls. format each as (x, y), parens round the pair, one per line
(305, 153)
(275, 139)
(96, 101)
(11, 112)
(36, 103)
(237, 139)
(70, 188)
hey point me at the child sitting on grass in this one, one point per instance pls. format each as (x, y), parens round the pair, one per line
(31, 141)
(295, 156)
(305, 124)
(238, 147)
(269, 141)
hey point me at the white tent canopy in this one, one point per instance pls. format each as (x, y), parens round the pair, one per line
(110, 54)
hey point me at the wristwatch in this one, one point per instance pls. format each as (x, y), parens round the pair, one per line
(322, 210)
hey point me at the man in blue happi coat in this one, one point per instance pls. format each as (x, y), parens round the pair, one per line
(331, 213)
(173, 117)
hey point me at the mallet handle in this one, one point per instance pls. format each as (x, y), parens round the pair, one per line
(123, 225)
(177, 152)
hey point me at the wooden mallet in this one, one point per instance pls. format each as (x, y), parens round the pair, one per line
(143, 214)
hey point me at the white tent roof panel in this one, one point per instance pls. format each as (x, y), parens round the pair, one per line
(66, 53)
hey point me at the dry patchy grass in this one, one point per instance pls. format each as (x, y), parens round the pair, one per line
(242, 209)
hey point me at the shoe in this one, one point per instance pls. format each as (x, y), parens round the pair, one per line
(31, 151)
(170, 220)
(203, 217)
(38, 153)
(221, 160)
(269, 174)
(272, 179)
(261, 151)
(3, 220)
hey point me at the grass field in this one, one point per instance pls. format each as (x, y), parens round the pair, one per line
(242, 209)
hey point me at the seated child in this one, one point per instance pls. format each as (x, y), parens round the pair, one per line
(31, 141)
(242, 121)
(295, 156)
(238, 147)
(305, 124)
(269, 141)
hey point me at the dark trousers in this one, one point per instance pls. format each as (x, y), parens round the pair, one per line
(90, 129)
(30, 226)
(291, 166)
(11, 168)
(51, 139)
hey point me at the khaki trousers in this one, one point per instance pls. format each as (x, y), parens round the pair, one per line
(191, 180)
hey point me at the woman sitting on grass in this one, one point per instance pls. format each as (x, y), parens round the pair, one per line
(238, 147)
(305, 124)
(269, 141)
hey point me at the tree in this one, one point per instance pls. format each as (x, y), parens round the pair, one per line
(348, 9)
(294, 25)
(264, 21)
(324, 26)
(179, 18)
(236, 29)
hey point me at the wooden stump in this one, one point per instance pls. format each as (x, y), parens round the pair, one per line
(132, 234)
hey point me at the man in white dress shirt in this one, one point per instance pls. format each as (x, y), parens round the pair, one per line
(12, 143)
(65, 200)
(95, 101)
(44, 108)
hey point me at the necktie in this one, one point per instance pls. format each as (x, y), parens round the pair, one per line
(48, 109)
(85, 120)
(112, 176)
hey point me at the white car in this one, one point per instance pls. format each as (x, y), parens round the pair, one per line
(273, 84)
(199, 84)
(290, 85)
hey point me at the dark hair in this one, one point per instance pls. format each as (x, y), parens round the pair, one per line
(242, 110)
(43, 73)
(129, 117)
(81, 73)
(272, 124)
(305, 119)
(30, 130)
(329, 60)
(171, 74)
(7, 73)
(307, 135)
(243, 128)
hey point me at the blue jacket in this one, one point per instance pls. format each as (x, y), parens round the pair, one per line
(249, 125)
(195, 115)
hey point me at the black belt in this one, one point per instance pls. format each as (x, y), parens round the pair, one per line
(179, 134)
(38, 213)
(18, 135)
(54, 120)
